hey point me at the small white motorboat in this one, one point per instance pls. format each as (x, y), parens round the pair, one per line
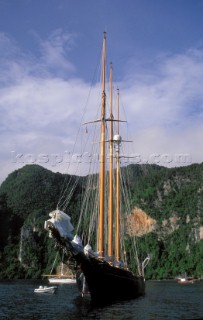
(45, 289)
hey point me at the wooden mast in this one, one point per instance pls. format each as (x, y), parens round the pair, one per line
(110, 219)
(102, 154)
(117, 242)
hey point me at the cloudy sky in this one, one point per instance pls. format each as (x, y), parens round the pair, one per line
(49, 53)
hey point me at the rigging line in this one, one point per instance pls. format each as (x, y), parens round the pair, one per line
(84, 203)
(136, 255)
(83, 115)
(71, 191)
(124, 255)
(67, 200)
(76, 169)
(92, 221)
(126, 190)
(63, 193)
(87, 198)
(92, 167)
(134, 239)
(125, 208)
(89, 203)
(70, 180)
(54, 263)
(134, 247)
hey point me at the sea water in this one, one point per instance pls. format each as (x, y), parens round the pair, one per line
(163, 300)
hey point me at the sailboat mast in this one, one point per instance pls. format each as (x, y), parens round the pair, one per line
(62, 264)
(102, 154)
(110, 220)
(118, 186)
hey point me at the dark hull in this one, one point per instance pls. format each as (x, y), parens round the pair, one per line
(108, 284)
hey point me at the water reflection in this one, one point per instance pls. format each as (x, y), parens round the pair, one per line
(164, 300)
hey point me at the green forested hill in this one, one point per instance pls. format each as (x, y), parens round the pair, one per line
(174, 197)
(162, 192)
(30, 193)
(26, 198)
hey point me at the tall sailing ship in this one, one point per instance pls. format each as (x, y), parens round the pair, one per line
(103, 273)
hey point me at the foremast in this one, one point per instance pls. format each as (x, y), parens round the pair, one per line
(102, 154)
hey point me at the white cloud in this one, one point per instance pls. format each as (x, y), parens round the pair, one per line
(54, 51)
(40, 110)
(171, 94)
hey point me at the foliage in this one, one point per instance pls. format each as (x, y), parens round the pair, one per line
(26, 198)
(28, 194)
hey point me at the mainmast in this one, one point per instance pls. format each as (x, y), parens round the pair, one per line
(102, 154)
(110, 220)
(117, 140)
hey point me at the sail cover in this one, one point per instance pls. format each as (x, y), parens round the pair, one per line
(61, 221)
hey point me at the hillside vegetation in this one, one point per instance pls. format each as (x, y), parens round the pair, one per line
(170, 201)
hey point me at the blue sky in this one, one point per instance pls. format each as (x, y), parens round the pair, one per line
(49, 51)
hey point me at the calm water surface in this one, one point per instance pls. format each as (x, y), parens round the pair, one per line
(163, 300)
